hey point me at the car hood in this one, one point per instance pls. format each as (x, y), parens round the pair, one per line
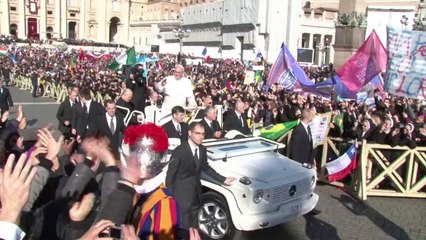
(265, 167)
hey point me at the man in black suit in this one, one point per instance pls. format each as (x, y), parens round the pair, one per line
(301, 140)
(177, 127)
(184, 174)
(236, 119)
(210, 124)
(110, 125)
(6, 101)
(125, 101)
(6, 74)
(85, 115)
(64, 114)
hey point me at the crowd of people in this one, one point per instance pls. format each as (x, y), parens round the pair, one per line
(105, 164)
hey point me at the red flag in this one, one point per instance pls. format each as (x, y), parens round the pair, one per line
(365, 64)
(81, 55)
(208, 59)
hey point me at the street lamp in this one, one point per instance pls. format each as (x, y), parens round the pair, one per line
(181, 33)
(420, 17)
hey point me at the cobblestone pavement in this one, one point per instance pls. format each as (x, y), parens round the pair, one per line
(342, 216)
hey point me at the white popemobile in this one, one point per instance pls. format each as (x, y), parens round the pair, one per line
(270, 189)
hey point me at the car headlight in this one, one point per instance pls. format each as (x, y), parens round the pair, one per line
(258, 196)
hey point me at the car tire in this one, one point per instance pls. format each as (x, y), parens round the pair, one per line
(214, 218)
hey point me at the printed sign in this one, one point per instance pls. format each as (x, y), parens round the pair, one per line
(249, 79)
(319, 128)
(406, 75)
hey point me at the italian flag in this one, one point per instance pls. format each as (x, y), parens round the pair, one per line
(273, 132)
(3, 51)
(126, 58)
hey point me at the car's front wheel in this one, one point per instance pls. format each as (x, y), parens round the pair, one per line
(214, 218)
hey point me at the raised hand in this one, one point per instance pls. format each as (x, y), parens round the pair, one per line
(15, 187)
(128, 232)
(5, 116)
(48, 141)
(95, 230)
(34, 155)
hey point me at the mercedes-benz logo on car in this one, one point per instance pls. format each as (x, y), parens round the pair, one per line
(292, 190)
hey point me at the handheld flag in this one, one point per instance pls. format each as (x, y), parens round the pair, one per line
(368, 62)
(204, 52)
(286, 71)
(273, 132)
(4, 51)
(126, 58)
(342, 166)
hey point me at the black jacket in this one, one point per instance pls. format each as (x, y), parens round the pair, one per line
(171, 131)
(183, 178)
(63, 114)
(6, 101)
(301, 145)
(102, 128)
(84, 124)
(232, 122)
(209, 131)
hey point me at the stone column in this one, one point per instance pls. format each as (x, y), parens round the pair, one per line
(125, 24)
(102, 23)
(22, 32)
(5, 21)
(43, 20)
(64, 22)
(57, 29)
(82, 23)
(348, 39)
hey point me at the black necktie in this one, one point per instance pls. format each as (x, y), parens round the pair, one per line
(197, 160)
(309, 133)
(211, 125)
(178, 130)
(111, 125)
(241, 119)
(84, 108)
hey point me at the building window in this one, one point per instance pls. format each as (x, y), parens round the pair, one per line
(72, 14)
(49, 12)
(92, 4)
(72, 3)
(12, 8)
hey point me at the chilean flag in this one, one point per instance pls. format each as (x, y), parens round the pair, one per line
(342, 166)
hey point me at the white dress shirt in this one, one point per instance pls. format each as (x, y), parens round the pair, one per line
(10, 231)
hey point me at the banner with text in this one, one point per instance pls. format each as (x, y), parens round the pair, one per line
(406, 75)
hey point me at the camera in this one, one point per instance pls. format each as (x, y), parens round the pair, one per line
(114, 233)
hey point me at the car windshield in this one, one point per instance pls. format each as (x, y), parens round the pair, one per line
(232, 148)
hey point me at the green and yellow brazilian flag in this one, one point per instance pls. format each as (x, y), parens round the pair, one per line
(273, 132)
